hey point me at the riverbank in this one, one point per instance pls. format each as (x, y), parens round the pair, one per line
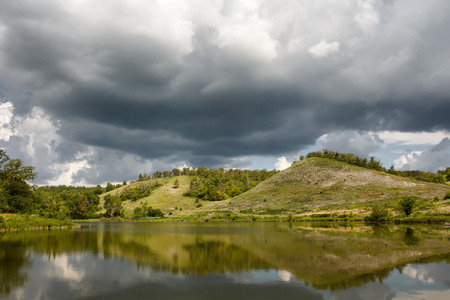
(325, 217)
(13, 222)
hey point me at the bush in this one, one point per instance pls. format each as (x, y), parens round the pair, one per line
(447, 196)
(407, 204)
(379, 213)
(154, 212)
(138, 212)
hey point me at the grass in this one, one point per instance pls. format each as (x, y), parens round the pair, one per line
(13, 222)
(312, 186)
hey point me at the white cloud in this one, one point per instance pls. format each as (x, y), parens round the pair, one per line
(34, 138)
(324, 49)
(413, 138)
(406, 159)
(418, 273)
(430, 159)
(6, 115)
(349, 141)
(284, 275)
(367, 16)
(282, 163)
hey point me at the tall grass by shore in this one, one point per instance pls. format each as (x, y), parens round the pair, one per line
(12, 222)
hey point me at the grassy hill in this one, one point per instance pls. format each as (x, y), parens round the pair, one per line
(313, 185)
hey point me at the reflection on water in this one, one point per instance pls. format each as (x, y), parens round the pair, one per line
(204, 261)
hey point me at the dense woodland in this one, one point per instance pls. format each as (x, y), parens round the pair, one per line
(69, 202)
(221, 184)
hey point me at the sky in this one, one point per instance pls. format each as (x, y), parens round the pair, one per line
(100, 91)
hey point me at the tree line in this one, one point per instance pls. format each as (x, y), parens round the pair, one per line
(221, 184)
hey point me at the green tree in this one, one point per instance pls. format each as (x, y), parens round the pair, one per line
(109, 187)
(407, 204)
(53, 207)
(176, 172)
(379, 213)
(154, 212)
(138, 212)
(113, 206)
(83, 206)
(16, 195)
(176, 184)
(98, 190)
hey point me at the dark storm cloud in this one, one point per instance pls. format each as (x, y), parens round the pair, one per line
(213, 82)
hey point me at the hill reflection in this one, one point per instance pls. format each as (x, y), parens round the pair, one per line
(325, 257)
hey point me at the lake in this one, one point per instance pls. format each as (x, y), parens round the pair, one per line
(226, 261)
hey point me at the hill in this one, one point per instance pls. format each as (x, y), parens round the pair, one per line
(310, 186)
(319, 184)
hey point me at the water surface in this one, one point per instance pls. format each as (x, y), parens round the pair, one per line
(226, 261)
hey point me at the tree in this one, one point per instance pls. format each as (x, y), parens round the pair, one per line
(176, 184)
(176, 172)
(16, 195)
(53, 207)
(98, 190)
(83, 206)
(379, 213)
(138, 212)
(109, 187)
(113, 206)
(407, 204)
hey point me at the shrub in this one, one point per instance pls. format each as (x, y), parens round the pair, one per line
(154, 212)
(138, 212)
(176, 184)
(407, 204)
(379, 213)
(447, 196)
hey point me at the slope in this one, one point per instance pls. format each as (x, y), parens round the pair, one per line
(309, 186)
(318, 184)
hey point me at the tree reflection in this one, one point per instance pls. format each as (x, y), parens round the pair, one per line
(411, 239)
(14, 259)
(219, 257)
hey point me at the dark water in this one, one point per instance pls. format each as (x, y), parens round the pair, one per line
(226, 261)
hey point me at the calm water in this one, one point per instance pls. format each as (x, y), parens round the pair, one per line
(226, 261)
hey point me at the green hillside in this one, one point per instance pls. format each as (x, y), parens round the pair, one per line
(312, 186)
(318, 184)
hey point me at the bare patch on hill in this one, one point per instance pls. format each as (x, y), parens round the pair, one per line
(336, 174)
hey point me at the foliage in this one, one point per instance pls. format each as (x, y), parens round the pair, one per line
(221, 184)
(176, 184)
(83, 206)
(54, 207)
(113, 206)
(26, 221)
(138, 212)
(349, 158)
(16, 195)
(144, 211)
(447, 196)
(407, 204)
(445, 173)
(419, 175)
(109, 187)
(379, 213)
(139, 191)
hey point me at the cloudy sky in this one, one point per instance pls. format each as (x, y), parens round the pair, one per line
(97, 91)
